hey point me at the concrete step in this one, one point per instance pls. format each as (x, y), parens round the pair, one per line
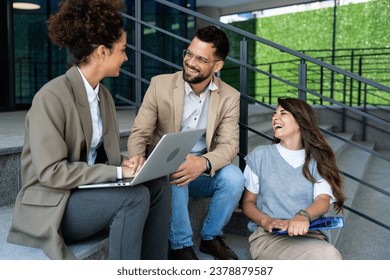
(362, 239)
(95, 247)
(238, 243)
(337, 144)
(10, 178)
(236, 232)
(238, 224)
(355, 162)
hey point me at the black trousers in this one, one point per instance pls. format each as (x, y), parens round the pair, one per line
(137, 217)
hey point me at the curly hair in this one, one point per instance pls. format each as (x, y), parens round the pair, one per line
(215, 36)
(316, 147)
(83, 25)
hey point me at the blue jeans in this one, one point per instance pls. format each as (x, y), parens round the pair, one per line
(225, 189)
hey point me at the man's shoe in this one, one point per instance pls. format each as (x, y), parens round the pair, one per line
(186, 253)
(217, 248)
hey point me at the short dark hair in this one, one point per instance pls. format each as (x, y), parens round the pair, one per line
(215, 36)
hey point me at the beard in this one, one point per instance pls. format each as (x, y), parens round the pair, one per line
(195, 79)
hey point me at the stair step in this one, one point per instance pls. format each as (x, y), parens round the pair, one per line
(337, 144)
(360, 238)
(354, 161)
(238, 243)
(95, 247)
(238, 224)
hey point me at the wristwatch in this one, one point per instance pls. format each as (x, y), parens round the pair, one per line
(208, 166)
(304, 213)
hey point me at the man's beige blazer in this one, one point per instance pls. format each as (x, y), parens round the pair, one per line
(162, 110)
(58, 134)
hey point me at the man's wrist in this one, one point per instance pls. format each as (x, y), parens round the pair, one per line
(208, 166)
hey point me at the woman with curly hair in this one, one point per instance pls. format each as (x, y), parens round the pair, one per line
(72, 139)
(290, 183)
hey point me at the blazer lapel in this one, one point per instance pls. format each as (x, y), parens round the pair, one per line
(82, 104)
(178, 103)
(110, 134)
(212, 114)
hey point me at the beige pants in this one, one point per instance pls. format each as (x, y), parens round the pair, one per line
(270, 246)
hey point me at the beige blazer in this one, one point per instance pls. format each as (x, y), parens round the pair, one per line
(58, 134)
(162, 110)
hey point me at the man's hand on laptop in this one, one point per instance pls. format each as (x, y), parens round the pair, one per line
(189, 170)
(135, 164)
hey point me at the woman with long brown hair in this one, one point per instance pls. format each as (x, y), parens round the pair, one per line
(289, 184)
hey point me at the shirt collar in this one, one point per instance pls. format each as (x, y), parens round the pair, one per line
(92, 93)
(212, 86)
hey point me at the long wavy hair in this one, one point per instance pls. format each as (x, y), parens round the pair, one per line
(316, 147)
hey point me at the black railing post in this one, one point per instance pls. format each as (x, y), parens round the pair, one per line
(138, 56)
(344, 115)
(302, 79)
(333, 48)
(321, 84)
(243, 141)
(351, 80)
(360, 83)
(364, 122)
(270, 84)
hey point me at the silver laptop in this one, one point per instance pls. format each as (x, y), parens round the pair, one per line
(166, 157)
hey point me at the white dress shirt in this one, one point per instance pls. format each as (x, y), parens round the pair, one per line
(195, 113)
(97, 124)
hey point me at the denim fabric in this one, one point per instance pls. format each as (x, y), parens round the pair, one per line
(225, 189)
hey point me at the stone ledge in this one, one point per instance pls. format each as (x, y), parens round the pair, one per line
(95, 247)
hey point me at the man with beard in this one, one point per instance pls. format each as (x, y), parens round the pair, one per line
(194, 99)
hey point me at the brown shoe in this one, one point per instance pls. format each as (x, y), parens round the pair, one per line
(186, 253)
(217, 248)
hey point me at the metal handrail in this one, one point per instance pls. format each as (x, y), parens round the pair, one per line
(300, 86)
(276, 46)
(294, 53)
(347, 59)
(367, 217)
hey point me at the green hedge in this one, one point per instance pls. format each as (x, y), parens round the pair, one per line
(360, 27)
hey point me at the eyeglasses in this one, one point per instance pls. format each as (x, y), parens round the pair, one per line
(199, 59)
